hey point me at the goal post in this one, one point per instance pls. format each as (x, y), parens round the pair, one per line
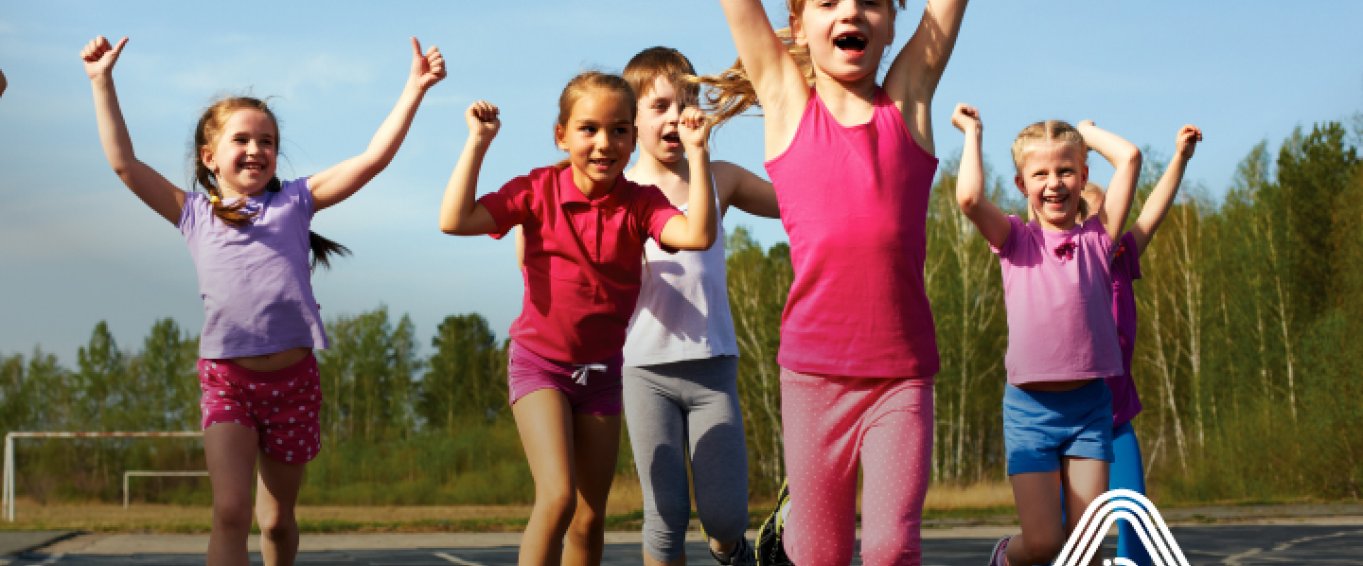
(7, 490)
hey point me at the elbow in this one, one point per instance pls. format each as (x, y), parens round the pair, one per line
(451, 227)
(1130, 156)
(967, 203)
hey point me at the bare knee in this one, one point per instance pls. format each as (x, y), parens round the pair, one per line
(1040, 547)
(232, 516)
(588, 522)
(278, 526)
(558, 503)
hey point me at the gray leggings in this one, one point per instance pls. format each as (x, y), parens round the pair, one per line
(679, 408)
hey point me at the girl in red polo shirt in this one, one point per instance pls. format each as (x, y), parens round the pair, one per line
(585, 226)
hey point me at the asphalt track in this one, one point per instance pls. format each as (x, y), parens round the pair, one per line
(1337, 540)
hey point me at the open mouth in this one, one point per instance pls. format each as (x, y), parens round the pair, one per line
(850, 41)
(1056, 199)
(672, 138)
(601, 163)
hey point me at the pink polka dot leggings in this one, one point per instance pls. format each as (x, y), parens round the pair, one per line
(829, 424)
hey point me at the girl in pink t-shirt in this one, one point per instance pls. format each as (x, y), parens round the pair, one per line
(249, 238)
(852, 162)
(584, 228)
(1062, 341)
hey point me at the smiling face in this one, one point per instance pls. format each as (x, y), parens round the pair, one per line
(242, 156)
(1052, 175)
(846, 38)
(599, 138)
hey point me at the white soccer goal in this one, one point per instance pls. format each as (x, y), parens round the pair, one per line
(7, 498)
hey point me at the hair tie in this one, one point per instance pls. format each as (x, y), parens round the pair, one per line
(214, 199)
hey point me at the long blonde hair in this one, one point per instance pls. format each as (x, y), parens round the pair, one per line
(731, 91)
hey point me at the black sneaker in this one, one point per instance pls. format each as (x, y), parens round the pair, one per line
(741, 555)
(770, 551)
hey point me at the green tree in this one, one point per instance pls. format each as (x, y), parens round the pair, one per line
(167, 379)
(100, 381)
(464, 376)
(758, 285)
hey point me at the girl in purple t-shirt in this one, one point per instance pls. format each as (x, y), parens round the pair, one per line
(1127, 471)
(1062, 341)
(249, 238)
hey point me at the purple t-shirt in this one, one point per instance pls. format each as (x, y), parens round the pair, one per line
(1126, 267)
(255, 281)
(1057, 287)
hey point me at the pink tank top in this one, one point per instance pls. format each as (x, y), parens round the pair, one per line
(854, 202)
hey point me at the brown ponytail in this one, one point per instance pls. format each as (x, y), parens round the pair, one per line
(206, 133)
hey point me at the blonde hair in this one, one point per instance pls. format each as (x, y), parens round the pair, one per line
(646, 66)
(731, 91)
(206, 134)
(1056, 131)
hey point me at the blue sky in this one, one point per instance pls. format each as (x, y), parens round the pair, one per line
(76, 247)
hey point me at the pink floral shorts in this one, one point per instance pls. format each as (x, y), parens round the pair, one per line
(282, 406)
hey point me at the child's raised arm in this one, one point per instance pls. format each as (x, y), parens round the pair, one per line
(159, 194)
(988, 219)
(1157, 205)
(1125, 158)
(339, 181)
(741, 188)
(914, 74)
(459, 213)
(696, 229)
(776, 78)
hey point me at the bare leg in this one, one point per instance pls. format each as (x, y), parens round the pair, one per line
(596, 443)
(276, 498)
(545, 423)
(1037, 496)
(230, 450)
(1084, 479)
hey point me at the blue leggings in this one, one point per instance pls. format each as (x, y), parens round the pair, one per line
(1127, 472)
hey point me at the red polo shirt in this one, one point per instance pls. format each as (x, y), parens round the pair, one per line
(583, 259)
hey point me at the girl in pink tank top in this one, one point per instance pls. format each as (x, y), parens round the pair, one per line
(852, 162)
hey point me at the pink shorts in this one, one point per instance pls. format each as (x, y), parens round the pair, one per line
(282, 406)
(593, 389)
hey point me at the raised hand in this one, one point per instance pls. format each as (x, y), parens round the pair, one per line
(966, 118)
(483, 120)
(100, 56)
(694, 128)
(1186, 142)
(429, 68)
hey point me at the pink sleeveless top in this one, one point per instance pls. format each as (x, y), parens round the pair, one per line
(854, 202)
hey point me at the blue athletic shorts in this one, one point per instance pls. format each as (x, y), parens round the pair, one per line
(1042, 427)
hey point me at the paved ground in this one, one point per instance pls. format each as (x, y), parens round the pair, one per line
(1326, 541)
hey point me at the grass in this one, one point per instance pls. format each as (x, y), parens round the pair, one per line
(624, 513)
(951, 505)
